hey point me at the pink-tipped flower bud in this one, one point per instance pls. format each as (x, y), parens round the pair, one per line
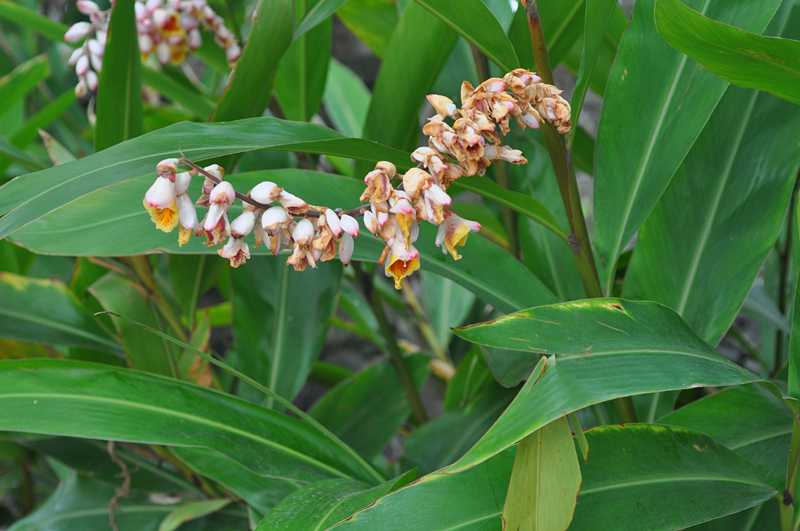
(77, 54)
(78, 31)
(333, 222)
(82, 66)
(92, 80)
(349, 225)
(87, 7)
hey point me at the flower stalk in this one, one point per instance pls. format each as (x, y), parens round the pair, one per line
(561, 156)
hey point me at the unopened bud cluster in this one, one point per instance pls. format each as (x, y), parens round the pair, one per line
(168, 28)
(316, 234)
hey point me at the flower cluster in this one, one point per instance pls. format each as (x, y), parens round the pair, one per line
(392, 213)
(168, 28)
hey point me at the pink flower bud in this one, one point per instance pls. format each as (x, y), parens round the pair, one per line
(82, 66)
(92, 80)
(73, 59)
(96, 48)
(87, 7)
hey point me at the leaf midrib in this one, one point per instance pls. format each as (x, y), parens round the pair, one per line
(671, 479)
(186, 416)
(107, 343)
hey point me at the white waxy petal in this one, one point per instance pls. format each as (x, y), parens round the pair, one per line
(164, 53)
(371, 222)
(303, 232)
(97, 62)
(496, 86)
(420, 153)
(333, 222)
(273, 217)
(383, 217)
(491, 152)
(87, 7)
(82, 66)
(244, 223)
(95, 47)
(414, 231)
(223, 193)
(182, 182)
(437, 195)
(262, 192)
(92, 80)
(403, 206)
(140, 10)
(529, 120)
(348, 246)
(187, 214)
(215, 170)
(101, 36)
(78, 31)
(349, 225)
(73, 59)
(161, 194)
(145, 43)
(233, 52)
(291, 201)
(215, 213)
(152, 5)
(231, 248)
(195, 39)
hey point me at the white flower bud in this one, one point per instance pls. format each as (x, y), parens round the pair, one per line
(291, 201)
(371, 222)
(145, 43)
(437, 196)
(243, 224)
(73, 59)
(140, 10)
(164, 53)
(348, 246)
(97, 62)
(168, 166)
(82, 66)
(78, 31)
(216, 170)
(92, 80)
(274, 217)
(96, 48)
(87, 7)
(187, 214)
(263, 192)
(303, 232)
(223, 193)
(333, 222)
(161, 193)
(349, 225)
(182, 182)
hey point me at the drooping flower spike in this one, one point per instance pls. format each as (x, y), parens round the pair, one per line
(168, 28)
(313, 234)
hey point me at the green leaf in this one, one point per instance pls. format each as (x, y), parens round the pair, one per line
(448, 305)
(301, 75)
(90, 457)
(794, 347)
(261, 493)
(192, 276)
(22, 80)
(764, 517)
(316, 15)
(443, 440)
(725, 205)
(185, 95)
(604, 349)
(119, 93)
(280, 319)
(472, 20)
(25, 200)
(367, 409)
(656, 104)
(87, 400)
(748, 420)
(346, 99)
(87, 226)
(472, 376)
(545, 480)
(46, 312)
(372, 21)
(190, 511)
(598, 18)
(421, 40)
(323, 504)
(31, 20)
(660, 478)
(57, 152)
(80, 503)
(143, 350)
(477, 505)
(760, 305)
(745, 59)
(525, 205)
(250, 84)
(22, 158)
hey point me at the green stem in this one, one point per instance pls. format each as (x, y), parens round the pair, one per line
(786, 499)
(391, 344)
(561, 156)
(785, 257)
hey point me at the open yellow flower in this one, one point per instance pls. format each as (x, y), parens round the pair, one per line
(401, 262)
(453, 233)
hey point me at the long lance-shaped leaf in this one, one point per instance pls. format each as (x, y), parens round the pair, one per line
(79, 399)
(745, 59)
(271, 394)
(604, 349)
(22, 80)
(657, 102)
(472, 20)
(322, 10)
(725, 205)
(119, 94)
(90, 227)
(25, 200)
(29, 19)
